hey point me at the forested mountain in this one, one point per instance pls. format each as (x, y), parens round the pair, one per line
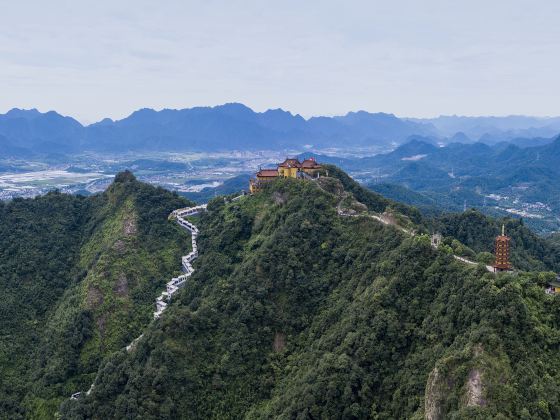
(477, 231)
(462, 159)
(496, 178)
(78, 279)
(295, 311)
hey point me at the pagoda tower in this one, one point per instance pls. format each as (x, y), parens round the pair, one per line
(502, 252)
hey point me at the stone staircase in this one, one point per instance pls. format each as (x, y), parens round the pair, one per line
(186, 261)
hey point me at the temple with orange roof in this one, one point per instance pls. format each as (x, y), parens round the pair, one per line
(290, 168)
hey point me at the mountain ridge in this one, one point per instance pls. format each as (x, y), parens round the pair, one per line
(344, 325)
(285, 282)
(230, 126)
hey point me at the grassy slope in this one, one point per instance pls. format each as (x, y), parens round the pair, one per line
(295, 312)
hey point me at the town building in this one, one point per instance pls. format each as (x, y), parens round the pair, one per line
(290, 168)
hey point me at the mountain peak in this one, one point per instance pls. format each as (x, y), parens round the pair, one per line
(416, 146)
(234, 106)
(142, 112)
(124, 177)
(235, 109)
(104, 121)
(460, 137)
(277, 111)
(364, 115)
(23, 113)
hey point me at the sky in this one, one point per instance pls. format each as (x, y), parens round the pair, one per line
(96, 59)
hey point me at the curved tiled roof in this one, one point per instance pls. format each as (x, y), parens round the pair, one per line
(310, 163)
(290, 163)
(267, 172)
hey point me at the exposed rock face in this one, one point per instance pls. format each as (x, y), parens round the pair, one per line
(94, 297)
(101, 323)
(121, 286)
(474, 383)
(279, 342)
(129, 226)
(433, 396)
(279, 198)
(446, 383)
(119, 246)
(474, 389)
(389, 218)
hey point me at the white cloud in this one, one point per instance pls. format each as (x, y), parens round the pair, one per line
(105, 58)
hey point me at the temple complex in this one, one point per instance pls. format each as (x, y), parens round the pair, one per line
(501, 262)
(290, 168)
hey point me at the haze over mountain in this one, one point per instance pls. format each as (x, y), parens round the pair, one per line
(469, 162)
(522, 180)
(494, 129)
(236, 127)
(225, 127)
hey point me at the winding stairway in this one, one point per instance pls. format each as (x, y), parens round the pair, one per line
(175, 283)
(186, 261)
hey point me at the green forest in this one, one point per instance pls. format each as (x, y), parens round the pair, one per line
(78, 277)
(295, 311)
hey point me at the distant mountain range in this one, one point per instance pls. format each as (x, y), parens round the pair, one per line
(225, 127)
(492, 129)
(462, 161)
(480, 175)
(236, 127)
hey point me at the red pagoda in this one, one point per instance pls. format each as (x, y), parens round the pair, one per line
(502, 252)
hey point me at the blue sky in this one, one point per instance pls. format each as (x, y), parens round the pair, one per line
(91, 59)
